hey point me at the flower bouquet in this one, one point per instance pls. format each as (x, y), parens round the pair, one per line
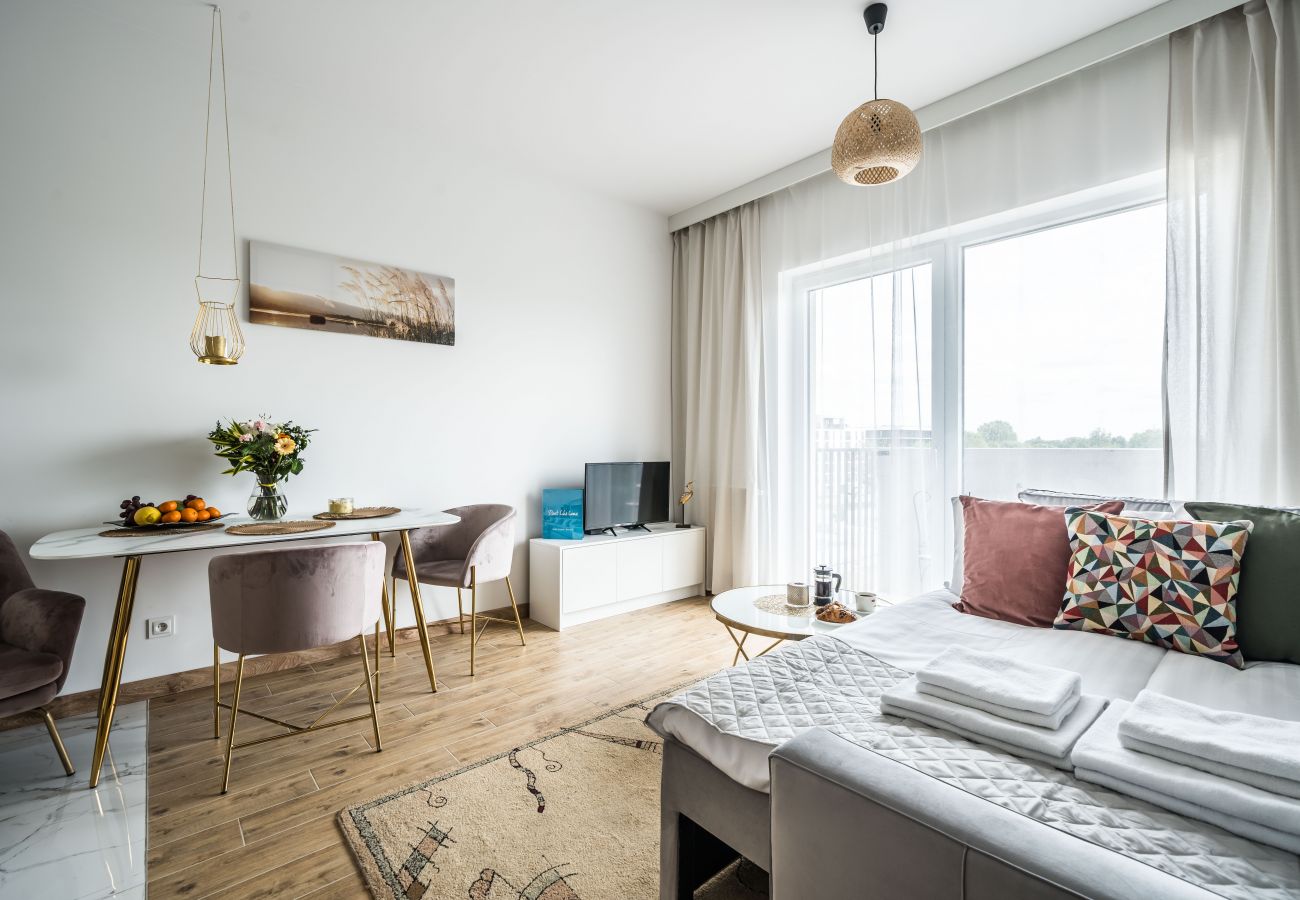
(271, 451)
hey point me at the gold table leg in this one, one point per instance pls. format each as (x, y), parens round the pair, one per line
(473, 615)
(216, 690)
(740, 646)
(113, 660)
(421, 624)
(389, 614)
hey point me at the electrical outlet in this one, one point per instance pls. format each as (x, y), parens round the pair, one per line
(162, 626)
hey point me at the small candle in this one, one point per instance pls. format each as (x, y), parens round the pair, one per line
(341, 506)
(215, 345)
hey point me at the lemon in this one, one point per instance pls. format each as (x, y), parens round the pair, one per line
(147, 515)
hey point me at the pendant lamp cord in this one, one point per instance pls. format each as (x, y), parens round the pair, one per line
(218, 38)
(875, 64)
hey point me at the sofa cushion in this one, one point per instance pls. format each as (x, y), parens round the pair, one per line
(1014, 560)
(26, 670)
(1169, 583)
(1268, 596)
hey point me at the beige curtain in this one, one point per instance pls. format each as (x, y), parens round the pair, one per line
(717, 386)
(1233, 313)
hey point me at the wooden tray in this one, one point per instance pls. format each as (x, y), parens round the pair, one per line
(296, 527)
(361, 512)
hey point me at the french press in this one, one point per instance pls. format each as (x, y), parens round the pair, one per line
(825, 585)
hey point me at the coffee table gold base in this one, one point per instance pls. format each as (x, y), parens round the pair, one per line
(740, 645)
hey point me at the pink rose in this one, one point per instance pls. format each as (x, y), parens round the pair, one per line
(245, 438)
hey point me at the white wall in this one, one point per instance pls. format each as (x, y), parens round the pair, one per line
(562, 311)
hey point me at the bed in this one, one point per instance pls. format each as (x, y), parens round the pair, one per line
(788, 761)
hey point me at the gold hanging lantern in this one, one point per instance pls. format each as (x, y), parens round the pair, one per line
(880, 141)
(216, 338)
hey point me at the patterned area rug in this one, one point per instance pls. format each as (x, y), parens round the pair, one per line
(571, 816)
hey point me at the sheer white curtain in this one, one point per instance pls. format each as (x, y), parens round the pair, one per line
(817, 334)
(1233, 311)
(717, 390)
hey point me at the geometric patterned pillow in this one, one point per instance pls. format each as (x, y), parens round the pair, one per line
(1170, 583)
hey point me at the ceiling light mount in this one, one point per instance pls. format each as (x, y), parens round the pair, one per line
(874, 16)
(880, 141)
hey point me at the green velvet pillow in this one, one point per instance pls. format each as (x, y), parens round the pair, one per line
(1268, 594)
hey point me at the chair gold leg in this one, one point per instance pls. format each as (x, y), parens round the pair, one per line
(58, 742)
(421, 624)
(113, 662)
(473, 615)
(515, 606)
(372, 688)
(234, 713)
(216, 691)
(460, 610)
(363, 650)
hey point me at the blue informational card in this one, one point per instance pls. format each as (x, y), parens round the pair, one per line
(562, 513)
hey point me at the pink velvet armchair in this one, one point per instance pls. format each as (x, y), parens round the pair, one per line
(38, 630)
(474, 551)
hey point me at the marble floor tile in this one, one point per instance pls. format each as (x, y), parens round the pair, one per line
(58, 838)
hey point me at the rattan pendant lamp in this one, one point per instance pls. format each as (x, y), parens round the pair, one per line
(216, 339)
(880, 141)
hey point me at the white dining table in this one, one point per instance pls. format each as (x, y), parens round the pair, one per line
(90, 543)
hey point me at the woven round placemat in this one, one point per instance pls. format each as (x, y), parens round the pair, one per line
(361, 512)
(159, 529)
(297, 527)
(775, 604)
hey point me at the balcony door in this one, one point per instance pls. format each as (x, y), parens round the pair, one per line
(873, 464)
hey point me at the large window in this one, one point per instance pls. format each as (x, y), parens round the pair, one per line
(1062, 359)
(1022, 351)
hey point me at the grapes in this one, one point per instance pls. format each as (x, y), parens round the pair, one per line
(130, 507)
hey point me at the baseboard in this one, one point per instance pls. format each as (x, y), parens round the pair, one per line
(177, 682)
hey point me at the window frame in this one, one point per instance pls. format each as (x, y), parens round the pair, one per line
(945, 251)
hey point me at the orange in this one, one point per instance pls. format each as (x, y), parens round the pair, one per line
(171, 516)
(167, 507)
(189, 515)
(196, 503)
(216, 513)
(204, 515)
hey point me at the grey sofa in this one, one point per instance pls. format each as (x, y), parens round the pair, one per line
(844, 822)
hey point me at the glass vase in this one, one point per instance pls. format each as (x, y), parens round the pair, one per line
(267, 504)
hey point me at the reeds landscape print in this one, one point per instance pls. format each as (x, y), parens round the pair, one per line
(304, 289)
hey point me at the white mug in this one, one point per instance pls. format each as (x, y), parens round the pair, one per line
(865, 601)
(796, 594)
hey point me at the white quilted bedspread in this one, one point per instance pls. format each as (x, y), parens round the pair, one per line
(826, 683)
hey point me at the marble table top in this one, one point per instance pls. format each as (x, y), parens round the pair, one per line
(85, 543)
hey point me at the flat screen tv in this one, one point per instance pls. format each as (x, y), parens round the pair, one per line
(624, 493)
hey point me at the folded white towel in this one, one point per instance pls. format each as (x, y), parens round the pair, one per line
(1049, 745)
(1254, 750)
(1099, 757)
(1000, 679)
(1003, 712)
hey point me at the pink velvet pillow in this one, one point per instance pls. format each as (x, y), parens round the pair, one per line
(1016, 559)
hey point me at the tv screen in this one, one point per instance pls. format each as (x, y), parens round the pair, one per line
(630, 493)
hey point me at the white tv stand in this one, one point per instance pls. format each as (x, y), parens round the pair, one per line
(571, 582)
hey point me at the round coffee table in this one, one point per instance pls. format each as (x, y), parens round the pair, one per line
(735, 609)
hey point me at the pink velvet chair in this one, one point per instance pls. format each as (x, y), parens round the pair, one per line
(474, 551)
(290, 600)
(38, 631)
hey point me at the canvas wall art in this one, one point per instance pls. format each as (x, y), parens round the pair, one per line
(322, 292)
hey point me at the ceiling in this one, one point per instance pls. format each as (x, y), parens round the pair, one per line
(664, 104)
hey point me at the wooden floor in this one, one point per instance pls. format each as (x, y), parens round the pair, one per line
(275, 832)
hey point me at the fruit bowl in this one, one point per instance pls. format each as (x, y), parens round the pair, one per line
(137, 515)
